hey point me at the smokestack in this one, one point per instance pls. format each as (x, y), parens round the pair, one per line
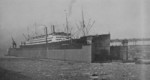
(53, 28)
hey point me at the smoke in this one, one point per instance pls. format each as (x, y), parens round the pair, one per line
(70, 6)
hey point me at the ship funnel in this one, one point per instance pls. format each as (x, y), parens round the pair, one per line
(53, 28)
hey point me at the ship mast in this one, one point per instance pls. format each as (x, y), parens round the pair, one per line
(83, 23)
(67, 25)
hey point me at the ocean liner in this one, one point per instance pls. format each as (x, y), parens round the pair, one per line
(62, 46)
(55, 39)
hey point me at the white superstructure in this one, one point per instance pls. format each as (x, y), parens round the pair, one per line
(55, 37)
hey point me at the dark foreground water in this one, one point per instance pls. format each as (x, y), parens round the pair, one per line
(43, 69)
(12, 75)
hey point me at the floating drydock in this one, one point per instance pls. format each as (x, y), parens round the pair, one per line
(61, 45)
(94, 48)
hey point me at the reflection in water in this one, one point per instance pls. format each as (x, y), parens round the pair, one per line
(143, 72)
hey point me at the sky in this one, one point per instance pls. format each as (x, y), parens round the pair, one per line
(120, 18)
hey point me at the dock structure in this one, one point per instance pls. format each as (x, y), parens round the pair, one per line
(130, 49)
(92, 48)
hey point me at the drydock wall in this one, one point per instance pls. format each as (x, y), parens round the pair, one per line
(101, 48)
(131, 52)
(83, 54)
